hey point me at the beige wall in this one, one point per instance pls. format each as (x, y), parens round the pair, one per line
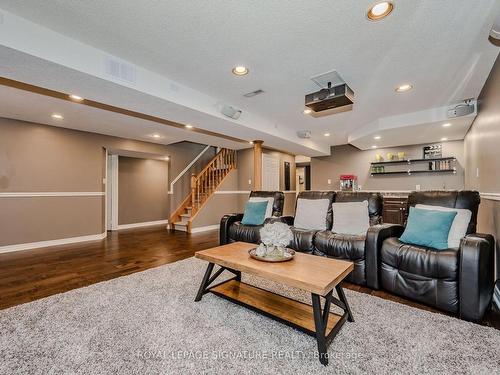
(482, 153)
(245, 169)
(483, 140)
(41, 158)
(142, 190)
(34, 219)
(350, 160)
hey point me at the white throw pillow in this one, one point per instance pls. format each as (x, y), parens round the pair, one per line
(311, 214)
(351, 217)
(270, 203)
(458, 227)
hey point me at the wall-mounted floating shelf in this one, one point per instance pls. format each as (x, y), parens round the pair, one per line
(410, 172)
(410, 161)
(436, 165)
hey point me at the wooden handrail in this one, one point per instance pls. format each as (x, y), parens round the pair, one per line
(204, 184)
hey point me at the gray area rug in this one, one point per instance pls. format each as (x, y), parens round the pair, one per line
(147, 323)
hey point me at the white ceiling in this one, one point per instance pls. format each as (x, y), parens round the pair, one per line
(441, 47)
(21, 105)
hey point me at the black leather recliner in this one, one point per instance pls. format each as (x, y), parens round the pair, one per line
(459, 281)
(232, 230)
(352, 247)
(303, 239)
(341, 246)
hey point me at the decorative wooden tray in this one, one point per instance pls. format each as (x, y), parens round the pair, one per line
(289, 253)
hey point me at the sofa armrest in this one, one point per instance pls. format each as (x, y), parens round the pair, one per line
(225, 223)
(375, 236)
(475, 275)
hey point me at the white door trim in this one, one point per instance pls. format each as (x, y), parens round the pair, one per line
(114, 192)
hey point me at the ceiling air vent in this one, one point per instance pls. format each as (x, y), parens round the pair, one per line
(253, 93)
(120, 70)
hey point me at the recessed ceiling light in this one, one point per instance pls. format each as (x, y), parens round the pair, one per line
(76, 97)
(326, 134)
(240, 70)
(380, 10)
(57, 116)
(374, 146)
(156, 136)
(404, 88)
(307, 111)
(166, 158)
(446, 125)
(377, 137)
(444, 139)
(189, 126)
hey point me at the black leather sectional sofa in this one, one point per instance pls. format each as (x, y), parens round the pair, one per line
(459, 281)
(323, 243)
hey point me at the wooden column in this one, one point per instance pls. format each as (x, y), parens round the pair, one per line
(257, 165)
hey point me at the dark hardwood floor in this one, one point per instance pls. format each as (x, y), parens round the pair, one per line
(32, 274)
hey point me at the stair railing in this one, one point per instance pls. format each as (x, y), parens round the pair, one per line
(205, 183)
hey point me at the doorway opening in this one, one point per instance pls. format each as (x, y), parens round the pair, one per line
(303, 177)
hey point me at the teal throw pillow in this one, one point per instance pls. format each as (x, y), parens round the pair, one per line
(255, 213)
(428, 228)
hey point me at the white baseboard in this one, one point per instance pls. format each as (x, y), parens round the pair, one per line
(204, 229)
(139, 225)
(61, 241)
(181, 228)
(53, 194)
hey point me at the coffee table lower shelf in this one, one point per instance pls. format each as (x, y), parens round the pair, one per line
(315, 320)
(286, 310)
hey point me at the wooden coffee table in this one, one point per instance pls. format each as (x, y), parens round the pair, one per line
(314, 274)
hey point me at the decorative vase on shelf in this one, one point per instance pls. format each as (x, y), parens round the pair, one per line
(401, 155)
(379, 158)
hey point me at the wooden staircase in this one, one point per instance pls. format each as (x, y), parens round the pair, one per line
(203, 186)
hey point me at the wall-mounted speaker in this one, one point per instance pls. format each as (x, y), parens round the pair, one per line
(495, 32)
(304, 134)
(231, 112)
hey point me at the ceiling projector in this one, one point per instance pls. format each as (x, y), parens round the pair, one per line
(333, 97)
